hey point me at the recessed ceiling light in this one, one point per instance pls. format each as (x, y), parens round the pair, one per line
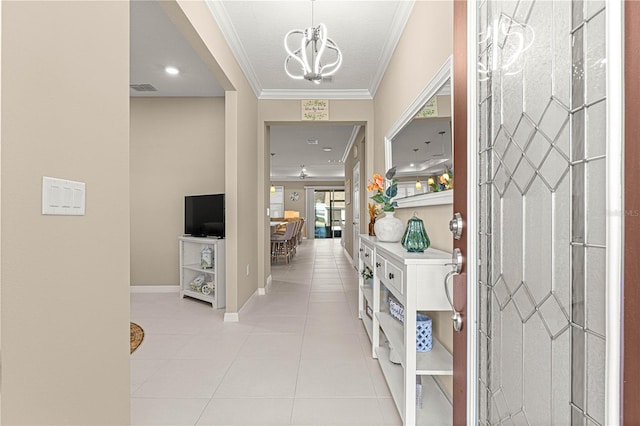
(171, 70)
(327, 149)
(412, 165)
(312, 141)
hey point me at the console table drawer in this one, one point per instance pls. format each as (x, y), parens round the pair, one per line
(391, 274)
(367, 256)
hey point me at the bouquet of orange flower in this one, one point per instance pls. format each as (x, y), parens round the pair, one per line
(383, 196)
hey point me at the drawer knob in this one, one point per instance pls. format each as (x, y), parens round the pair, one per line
(378, 264)
(366, 255)
(390, 275)
(361, 249)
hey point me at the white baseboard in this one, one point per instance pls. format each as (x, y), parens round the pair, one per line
(154, 289)
(235, 316)
(231, 317)
(264, 290)
(346, 253)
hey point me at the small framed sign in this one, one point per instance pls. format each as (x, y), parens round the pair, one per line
(315, 109)
(430, 109)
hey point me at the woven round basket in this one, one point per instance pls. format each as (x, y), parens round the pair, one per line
(137, 334)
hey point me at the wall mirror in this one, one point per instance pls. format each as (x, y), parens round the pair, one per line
(419, 145)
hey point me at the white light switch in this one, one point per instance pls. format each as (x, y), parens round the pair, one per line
(63, 197)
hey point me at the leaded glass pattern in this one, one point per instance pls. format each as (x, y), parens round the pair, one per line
(541, 168)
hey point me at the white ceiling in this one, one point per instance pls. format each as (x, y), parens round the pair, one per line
(157, 43)
(365, 31)
(290, 144)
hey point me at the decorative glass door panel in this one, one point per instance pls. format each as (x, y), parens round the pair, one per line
(541, 182)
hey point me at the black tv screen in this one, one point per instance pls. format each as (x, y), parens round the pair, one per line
(204, 215)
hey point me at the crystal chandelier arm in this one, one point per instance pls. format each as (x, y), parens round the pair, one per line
(304, 43)
(337, 63)
(294, 54)
(286, 70)
(321, 37)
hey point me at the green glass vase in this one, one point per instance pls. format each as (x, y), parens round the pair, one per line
(415, 239)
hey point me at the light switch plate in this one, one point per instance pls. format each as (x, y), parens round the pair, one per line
(63, 197)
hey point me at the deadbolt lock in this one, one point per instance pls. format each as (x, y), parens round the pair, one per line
(456, 225)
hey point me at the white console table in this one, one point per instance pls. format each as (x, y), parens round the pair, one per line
(416, 280)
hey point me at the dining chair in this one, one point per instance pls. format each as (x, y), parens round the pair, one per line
(280, 243)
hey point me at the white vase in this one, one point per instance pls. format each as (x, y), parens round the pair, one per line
(389, 229)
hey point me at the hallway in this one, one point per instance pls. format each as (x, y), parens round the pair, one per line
(299, 355)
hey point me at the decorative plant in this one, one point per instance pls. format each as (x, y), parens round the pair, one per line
(367, 273)
(441, 183)
(382, 196)
(373, 212)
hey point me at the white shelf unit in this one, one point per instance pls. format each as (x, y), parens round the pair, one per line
(190, 268)
(365, 293)
(366, 320)
(416, 280)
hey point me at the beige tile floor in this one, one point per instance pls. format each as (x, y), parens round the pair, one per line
(298, 356)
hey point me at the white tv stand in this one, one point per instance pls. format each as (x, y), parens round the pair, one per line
(190, 269)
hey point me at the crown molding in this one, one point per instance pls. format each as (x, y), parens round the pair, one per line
(352, 140)
(315, 94)
(221, 17)
(307, 179)
(397, 29)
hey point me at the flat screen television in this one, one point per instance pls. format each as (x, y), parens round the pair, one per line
(204, 215)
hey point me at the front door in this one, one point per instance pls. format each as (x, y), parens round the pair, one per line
(540, 171)
(460, 343)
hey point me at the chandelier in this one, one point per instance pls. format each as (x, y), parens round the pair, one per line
(312, 45)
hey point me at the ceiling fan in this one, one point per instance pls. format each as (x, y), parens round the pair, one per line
(303, 172)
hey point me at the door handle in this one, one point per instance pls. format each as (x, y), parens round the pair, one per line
(456, 263)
